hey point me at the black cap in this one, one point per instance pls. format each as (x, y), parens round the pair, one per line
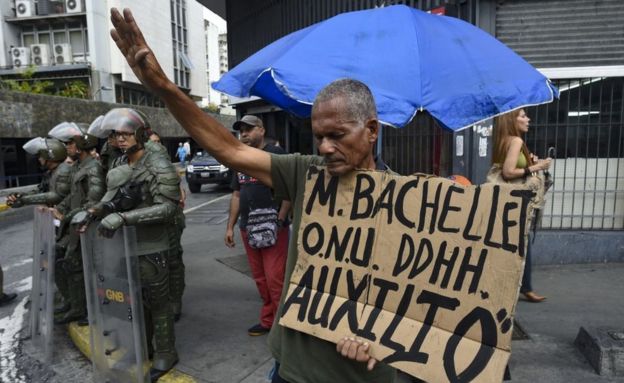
(248, 120)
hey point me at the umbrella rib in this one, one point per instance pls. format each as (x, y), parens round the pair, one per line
(420, 69)
(283, 88)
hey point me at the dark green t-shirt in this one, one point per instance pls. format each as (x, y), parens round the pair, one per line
(304, 358)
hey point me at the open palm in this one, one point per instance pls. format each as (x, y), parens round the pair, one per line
(131, 43)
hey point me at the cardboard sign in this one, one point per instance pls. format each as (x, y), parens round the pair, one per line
(424, 269)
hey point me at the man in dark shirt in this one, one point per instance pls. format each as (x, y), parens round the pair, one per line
(267, 263)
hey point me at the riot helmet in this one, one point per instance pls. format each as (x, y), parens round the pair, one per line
(95, 128)
(129, 121)
(48, 149)
(70, 131)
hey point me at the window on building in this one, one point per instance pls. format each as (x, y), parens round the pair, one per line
(74, 34)
(182, 65)
(133, 96)
(27, 39)
(60, 37)
(76, 41)
(44, 38)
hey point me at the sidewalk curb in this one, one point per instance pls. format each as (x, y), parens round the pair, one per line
(80, 336)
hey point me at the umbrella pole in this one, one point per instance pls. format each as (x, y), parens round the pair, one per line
(379, 140)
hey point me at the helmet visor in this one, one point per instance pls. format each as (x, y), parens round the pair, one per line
(95, 129)
(35, 145)
(65, 131)
(122, 120)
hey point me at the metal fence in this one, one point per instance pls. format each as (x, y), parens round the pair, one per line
(19, 180)
(422, 146)
(586, 128)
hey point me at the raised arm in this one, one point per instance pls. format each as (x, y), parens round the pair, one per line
(205, 130)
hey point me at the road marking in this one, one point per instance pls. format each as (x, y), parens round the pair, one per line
(20, 286)
(16, 264)
(12, 325)
(205, 204)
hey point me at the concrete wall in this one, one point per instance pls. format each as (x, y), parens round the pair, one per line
(25, 115)
(553, 247)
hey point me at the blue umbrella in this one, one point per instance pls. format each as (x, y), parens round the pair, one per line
(410, 59)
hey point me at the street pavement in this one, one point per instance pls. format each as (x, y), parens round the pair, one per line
(221, 302)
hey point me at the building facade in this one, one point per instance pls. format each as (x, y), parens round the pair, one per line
(66, 40)
(216, 57)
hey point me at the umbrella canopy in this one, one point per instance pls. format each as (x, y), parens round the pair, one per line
(410, 59)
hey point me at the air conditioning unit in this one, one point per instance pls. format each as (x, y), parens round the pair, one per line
(62, 54)
(74, 6)
(20, 56)
(24, 8)
(40, 54)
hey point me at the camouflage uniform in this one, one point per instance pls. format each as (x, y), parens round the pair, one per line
(52, 189)
(176, 263)
(55, 184)
(87, 188)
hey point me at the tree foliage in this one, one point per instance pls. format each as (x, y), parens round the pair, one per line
(27, 83)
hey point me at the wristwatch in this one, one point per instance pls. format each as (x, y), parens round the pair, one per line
(280, 223)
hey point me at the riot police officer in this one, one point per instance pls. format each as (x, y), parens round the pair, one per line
(55, 187)
(176, 263)
(87, 188)
(152, 210)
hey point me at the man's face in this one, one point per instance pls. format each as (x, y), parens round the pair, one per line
(125, 140)
(251, 135)
(345, 143)
(112, 141)
(154, 138)
(42, 163)
(72, 150)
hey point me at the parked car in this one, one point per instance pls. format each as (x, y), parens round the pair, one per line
(205, 169)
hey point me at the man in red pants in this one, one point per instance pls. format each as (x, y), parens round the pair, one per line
(263, 226)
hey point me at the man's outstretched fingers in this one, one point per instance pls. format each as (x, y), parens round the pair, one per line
(121, 44)
(118, 21)
(133, 28)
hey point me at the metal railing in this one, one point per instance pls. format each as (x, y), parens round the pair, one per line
(586, 126)
(19, 180)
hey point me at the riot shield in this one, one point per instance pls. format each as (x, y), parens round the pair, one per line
(42, 293)
(114, 301)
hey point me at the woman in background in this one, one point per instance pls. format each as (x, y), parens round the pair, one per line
(511, 152)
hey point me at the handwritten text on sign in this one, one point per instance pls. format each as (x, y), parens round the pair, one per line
(426, 270)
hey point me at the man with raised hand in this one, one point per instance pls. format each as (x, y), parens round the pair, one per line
(345, 126)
